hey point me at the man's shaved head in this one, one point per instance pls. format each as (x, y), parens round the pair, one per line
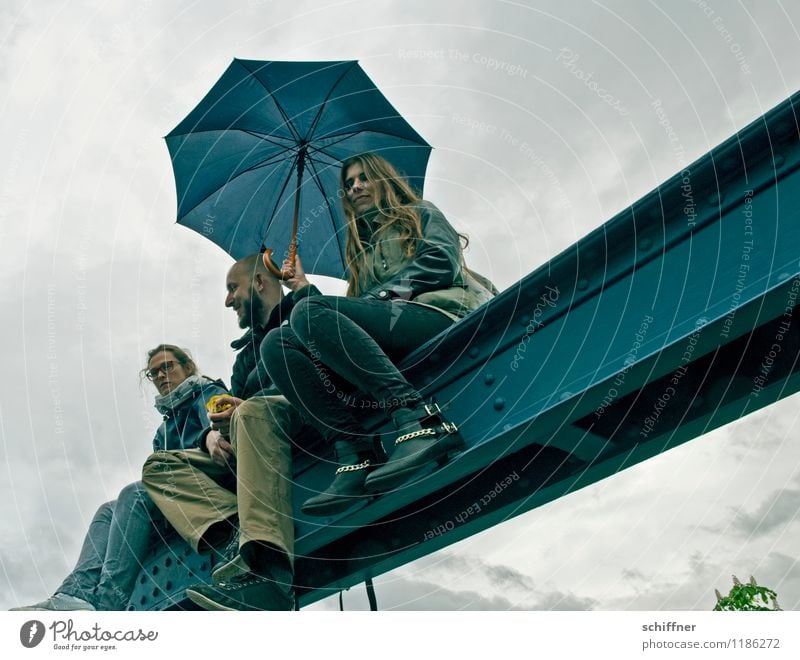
(252, 291)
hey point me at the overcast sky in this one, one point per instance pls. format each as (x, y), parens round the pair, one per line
(528, 158)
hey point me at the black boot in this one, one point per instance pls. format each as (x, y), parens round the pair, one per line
(357, 460)
(424, 437)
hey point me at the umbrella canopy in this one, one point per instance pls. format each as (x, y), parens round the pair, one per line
(237, 155)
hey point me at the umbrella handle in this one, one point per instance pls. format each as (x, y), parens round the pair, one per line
(272, 268)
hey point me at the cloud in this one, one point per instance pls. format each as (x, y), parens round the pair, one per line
(781, 507)
(500, 577)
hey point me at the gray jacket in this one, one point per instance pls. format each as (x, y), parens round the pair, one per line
(435, 276)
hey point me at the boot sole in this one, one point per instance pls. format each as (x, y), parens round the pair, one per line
(333, 507)
(207, 603)
(449, 445)
(212, 605)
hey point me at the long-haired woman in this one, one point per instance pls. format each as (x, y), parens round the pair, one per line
(407, 283)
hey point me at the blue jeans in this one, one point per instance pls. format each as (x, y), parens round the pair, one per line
(120, 537)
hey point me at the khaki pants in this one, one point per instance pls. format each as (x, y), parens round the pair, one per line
(194, 493)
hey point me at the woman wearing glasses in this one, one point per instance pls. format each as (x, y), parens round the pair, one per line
(407, 282)
(123, 531)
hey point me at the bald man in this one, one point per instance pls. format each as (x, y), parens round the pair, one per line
(244, 467)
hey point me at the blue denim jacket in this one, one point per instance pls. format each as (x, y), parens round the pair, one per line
(183, 425)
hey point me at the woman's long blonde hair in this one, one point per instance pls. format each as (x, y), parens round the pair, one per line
(395, 200)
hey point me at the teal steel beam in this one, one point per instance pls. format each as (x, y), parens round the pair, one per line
(677, 316)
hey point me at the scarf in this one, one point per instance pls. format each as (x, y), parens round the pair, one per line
(166, 403)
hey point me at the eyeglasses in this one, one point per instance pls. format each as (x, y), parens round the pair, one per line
(166, 367)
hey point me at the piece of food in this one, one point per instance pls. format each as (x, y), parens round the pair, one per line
(214, 404)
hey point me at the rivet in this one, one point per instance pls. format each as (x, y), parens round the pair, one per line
(715, 199)
(525, 320)
(645, 244)
(473, 352)
(582, 284)
(488, 379)
(499, 403)
(779, 160)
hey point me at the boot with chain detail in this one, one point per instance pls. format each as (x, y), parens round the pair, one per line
(424, 437)
(356, 459)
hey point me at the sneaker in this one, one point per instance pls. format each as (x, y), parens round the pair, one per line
(230, 550)
(244, 592)
(230, 570)
(58, 603)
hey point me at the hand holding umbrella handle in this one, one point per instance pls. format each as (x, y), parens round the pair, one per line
(272, 268)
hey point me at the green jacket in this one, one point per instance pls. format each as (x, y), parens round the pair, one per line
(435, 276)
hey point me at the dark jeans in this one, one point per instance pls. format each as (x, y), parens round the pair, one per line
(335, 345)
(119, 539)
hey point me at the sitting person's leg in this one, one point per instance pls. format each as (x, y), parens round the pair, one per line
(136, 525)
(196, 495)
(262, 432)
(358, 340)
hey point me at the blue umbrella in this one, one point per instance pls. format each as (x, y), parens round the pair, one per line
(256, 163)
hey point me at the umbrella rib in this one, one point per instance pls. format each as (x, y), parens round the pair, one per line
(316, 179)
(327, 98)
(274, 98)
(272, 139)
